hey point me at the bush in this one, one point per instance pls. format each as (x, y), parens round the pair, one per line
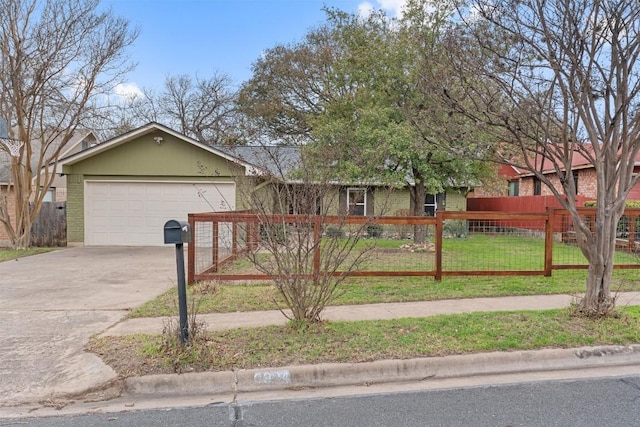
(334, 232)
(374, 230)
(631, 204)
(404, 231)
(274, 232)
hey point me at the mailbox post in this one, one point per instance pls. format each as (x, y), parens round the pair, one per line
(178, 233)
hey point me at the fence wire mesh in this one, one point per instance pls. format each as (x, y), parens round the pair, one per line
(459, 243)
(495, 245)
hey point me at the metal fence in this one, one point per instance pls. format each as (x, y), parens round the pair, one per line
(456, 243)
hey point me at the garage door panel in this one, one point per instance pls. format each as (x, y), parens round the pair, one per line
(133, 213)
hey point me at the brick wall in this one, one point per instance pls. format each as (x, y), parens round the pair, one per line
(75, 209)
(586, 184)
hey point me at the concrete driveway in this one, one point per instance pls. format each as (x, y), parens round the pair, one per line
(50, 304)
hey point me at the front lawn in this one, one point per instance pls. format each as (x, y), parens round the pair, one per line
(229, 297)
(364, 341)
(7, 254)
(478, 253)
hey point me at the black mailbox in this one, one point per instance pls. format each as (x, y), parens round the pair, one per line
(177, 232)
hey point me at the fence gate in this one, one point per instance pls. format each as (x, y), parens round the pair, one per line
(50, 227)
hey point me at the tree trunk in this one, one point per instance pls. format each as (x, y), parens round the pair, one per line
(419, 195)
(599, 251)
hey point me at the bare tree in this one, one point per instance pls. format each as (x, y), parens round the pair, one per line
(57, 57)
(552, 80)
(203, 109)
(302, 246)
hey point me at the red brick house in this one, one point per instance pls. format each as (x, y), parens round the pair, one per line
(516, 183)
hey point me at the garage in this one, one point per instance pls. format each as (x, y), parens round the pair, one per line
(134, 213)
(122, 191)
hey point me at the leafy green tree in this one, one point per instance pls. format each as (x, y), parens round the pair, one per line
(351, 92)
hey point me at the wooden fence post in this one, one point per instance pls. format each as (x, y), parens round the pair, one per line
(548, 242)
(215, 255)
(191, 252)
(439, 229)
(317, 234)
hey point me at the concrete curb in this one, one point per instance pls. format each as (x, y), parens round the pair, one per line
(384, 371)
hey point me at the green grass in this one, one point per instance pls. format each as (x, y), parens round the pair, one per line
(12, 254)
(474, 253)
(236, 297)
(366, 341)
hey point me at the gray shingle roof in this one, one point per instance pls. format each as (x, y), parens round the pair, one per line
(72, 145)
(277, 160)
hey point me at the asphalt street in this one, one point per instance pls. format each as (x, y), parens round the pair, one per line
(585, 403)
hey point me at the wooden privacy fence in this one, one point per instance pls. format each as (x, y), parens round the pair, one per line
(50, 227)
(460, 243)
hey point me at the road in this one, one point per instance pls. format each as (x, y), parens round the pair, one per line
(591, 402)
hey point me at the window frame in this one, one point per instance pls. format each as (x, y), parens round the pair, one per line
(426, 207)
(514, 188)
(363, 204)
(537, 186)
(50, 195)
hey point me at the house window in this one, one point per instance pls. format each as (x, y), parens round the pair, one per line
(537, 186)
(514, 188)
(50, 195)
(575, 180)
(357, 201)
(432, 203)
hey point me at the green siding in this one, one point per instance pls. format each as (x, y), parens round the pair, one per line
(389, 202)
(331, 201)
(143, 156)
(456, 201)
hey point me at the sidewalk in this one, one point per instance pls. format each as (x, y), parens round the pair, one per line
(221, 321)
(229, 385)
(338, 378)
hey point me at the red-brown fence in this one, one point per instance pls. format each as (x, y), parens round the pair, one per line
(462, 243)
(525, 204)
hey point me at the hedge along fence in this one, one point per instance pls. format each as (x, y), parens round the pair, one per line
(458, 243)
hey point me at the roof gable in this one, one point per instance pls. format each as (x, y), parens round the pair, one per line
(156, 135)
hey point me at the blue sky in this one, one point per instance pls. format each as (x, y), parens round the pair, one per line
(200, 37)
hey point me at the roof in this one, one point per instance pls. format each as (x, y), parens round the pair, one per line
(72, 146)
(276, 160)
(579, 160)
(149, 128)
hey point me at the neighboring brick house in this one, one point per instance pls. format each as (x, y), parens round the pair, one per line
(57, 192)
(514, 183)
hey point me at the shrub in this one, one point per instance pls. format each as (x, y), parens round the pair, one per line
(374, 230)
(334, 232)
(274, 232)
(632, 204)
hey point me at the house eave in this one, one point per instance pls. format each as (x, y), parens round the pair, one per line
(250, 170)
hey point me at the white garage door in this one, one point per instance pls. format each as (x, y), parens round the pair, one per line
(134, 213)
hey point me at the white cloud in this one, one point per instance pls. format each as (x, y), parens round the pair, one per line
(393, 6)
(365, 9)
(128, 90)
